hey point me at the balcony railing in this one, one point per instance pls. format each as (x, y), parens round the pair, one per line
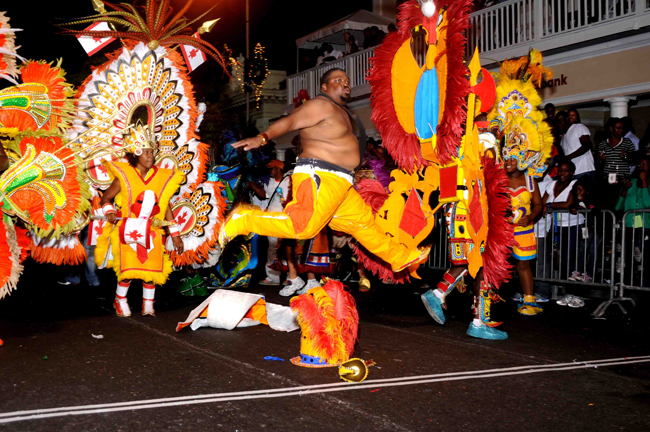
(355, 65)
(528, 22)
(508, 29)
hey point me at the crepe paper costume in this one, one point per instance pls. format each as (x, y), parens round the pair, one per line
(528, 138)
(309, 256)
(8, 54)
(329, 325)
(525, 247)
(227, 310)
(199, 216)
(424, 102)
(133, 247)
(323, 194)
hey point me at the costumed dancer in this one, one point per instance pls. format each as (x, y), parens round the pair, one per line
(323, 180)
(147, 79)
(133, 245)
(527, 144)
(425, 101)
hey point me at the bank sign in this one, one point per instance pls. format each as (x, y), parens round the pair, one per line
(555, 82)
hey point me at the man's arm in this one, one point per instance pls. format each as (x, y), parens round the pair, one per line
(585, 142)
(307, 115)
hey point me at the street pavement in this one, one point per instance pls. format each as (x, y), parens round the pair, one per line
(142, 375)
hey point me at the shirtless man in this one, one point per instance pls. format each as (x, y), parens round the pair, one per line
(323, 180)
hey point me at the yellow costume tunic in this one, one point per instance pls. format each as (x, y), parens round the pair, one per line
(122, 257)
(525, 241)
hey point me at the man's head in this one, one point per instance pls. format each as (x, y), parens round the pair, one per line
(336, 84)
(327, 48)
(561, 121)
(277, 169)
(549, 109)
(627, 125)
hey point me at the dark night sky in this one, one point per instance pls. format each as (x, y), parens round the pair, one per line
(274, 23)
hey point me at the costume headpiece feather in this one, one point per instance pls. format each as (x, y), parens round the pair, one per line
(8, 55)
(159, 26)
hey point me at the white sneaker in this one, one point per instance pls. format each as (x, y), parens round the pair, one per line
(311, 283)
(637, 254)
(293, 286)
(576, 302)
(565, 300)
(575, 276)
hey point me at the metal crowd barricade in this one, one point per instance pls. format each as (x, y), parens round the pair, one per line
(634, 257)
(439, 255)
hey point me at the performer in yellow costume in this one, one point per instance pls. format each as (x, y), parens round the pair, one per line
(133, 244)
(323, 180)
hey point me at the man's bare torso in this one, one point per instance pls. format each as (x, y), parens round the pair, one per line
(332, 139)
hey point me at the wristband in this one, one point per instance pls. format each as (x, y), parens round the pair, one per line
(265, 138)
(173, 229)
(174, 234)
(108, 209)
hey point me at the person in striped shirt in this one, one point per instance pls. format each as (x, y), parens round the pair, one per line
(615, 153)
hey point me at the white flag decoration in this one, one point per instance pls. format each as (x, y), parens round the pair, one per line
(194, 57)
(93, 44)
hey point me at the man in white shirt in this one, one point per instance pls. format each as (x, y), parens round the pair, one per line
(329, 54)
(627, 131)
(276, 192)
(576, 144)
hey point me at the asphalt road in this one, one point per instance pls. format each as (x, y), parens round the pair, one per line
(142, 375)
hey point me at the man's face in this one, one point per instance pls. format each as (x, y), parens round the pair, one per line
(276, 172)
(338, 86)
(550, 112)
(561, 123)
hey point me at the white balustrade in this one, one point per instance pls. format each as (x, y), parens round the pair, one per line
(527, 22)
(355, 65)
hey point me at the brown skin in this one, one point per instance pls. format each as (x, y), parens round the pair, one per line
(565, 175)
(517, 179)
(326, 131)
(643, 182)
(145, 163)
(585, 140)
(4, 160)
(615, 139)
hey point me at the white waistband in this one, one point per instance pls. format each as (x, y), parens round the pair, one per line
(311, 170)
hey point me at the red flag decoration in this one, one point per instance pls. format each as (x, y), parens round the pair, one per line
(95, 228)
(194, 57)
(93, 44)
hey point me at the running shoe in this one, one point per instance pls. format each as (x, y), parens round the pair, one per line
(540, 299)
(311, 283)
(576, 302)
(565, 300)
(293, 286)
(518, 297)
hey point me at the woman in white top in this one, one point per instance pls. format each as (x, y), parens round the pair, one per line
(563, 226)
(576, 144)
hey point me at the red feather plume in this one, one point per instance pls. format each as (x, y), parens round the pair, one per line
(501, 233)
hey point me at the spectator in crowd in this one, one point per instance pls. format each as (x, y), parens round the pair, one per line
(350, 43)
(615, 153)
(276, 193)
(644, 143)
(329, 54)
(585, 198)
(367, 40)
(544, 245)
(628, 132)
(392, 28)
(635, 195)
(564, 226)
(376, 35)
(576, 144)
(549, 109)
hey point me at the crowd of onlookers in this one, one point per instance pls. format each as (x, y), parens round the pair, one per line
(590, 184)
(372, 36)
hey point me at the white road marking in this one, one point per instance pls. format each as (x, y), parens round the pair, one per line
(312, 389)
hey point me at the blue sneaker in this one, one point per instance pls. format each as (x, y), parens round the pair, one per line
(434, 306)
(485, 332)
(518, 297)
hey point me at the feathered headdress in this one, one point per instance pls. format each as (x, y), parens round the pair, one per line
(329, 323)
(138, 139)
(8, 55)
(158, 27)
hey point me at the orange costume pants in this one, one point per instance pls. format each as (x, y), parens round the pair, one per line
(323, 194)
